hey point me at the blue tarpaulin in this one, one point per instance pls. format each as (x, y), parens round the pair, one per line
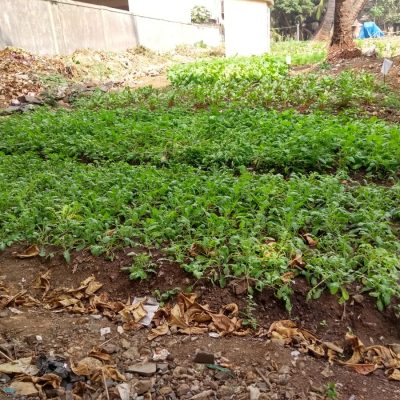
(370, 30)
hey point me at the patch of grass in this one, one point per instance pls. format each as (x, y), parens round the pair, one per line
(302, 53)
(207, 173)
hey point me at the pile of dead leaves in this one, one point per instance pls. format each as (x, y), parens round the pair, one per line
(187, 316)
(45, 374)
(20, 72)
(363, 359)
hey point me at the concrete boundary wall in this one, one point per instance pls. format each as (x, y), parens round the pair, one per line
(62, 26)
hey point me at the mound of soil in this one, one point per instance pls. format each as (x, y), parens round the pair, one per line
(257, 368)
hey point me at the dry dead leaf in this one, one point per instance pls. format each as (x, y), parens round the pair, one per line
(100, 354)
(159, 331)
(134, 312)
(394, 375)
(363, 369)
(287, 277)
(31, 251)
(310, 240)
(297, 260)
(107, 372)
(87, 366)
(43, 282)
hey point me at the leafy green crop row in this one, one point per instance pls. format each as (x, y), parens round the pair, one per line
(258, 139)
(219, 82)
(227, 217)
(207, 173)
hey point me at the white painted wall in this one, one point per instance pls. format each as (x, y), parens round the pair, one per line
(159, 35)
(173, 10)
(66, 26)
(247, 27)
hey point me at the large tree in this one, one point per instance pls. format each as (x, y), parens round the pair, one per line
(324, 32)
(342, 43)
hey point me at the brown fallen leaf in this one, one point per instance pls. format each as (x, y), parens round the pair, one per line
(87, 366)
(107, 372)
(100, 354)
(310, 240)
(394, 375)
(31, 251)
(297, 260)
(287, 277)
(159, 331)
(363, 369)
(43, 282)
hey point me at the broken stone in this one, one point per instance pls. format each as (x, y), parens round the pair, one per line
(206, 395)
(142, 387)
(126, 344)
(358, 298)
(4, 378)
(143, 369)
(162, 368)
(203, 357)
(110, 348)
(183, 389)
(24, 389)
(131, 354)
(15, 102)
(165, 390)
(254, 392)
(11, 110)
(32, 99)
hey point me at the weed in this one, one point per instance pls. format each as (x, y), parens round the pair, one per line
(249, 319)
(330, 391)
(141, 267)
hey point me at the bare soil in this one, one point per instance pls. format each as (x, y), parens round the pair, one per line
(289, 375)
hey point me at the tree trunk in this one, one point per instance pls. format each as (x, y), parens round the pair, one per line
(325, 29)
(342, 44)
(324, 32)
(358, 6)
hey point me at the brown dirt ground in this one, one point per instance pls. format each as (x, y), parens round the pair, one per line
(76, 334)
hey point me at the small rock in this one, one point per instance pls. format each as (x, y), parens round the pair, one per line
(206, 395)
(254, 392)
(24, 389)
(358, 298)
(4, 313)
(15, 102)
(131, 354)
(285, 369)
(162, 368)
(180, 372)
(165, 390)
(182, 389)
(124, 391)
(327, 372)
(110, 348)
(126, 344)
(142, 387)
(11, 110)
(203, 357)
(4, 378)
(32, 99)
(143, 369)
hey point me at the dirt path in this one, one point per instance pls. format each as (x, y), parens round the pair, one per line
(257, 367)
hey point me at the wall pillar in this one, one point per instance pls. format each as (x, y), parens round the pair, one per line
(247, 27)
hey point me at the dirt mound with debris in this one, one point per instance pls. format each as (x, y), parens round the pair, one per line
(78, 330)
(52, 79)
(21, 73)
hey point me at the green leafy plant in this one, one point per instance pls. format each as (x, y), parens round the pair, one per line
(200, 15)
(330, 391)
(142, 267)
